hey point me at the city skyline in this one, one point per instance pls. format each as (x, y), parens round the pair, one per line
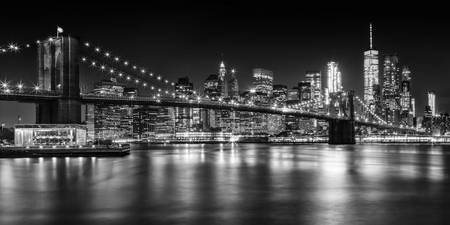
(289, 68)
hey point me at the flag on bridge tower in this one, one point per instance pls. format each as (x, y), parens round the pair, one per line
(58, 30)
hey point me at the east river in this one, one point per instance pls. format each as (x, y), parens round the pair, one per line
(233, 184)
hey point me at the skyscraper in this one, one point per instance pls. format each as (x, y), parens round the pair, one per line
(405, 93)
(432, 102)
(371, 71)
(391, 76)
(304, 91)
(211, 87)
(233, 86)
(223, 81)
(263, 81)
(391, 89)
(315, 79)
(334, 78)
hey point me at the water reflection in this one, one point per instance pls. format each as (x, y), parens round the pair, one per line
(232, 184)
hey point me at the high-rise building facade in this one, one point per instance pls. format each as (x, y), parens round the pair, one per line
(233, 85)
(315, 79)
(263, 81)
(334, 78)
(304, 91)
(391, 89)
(405, 93)
(223, 80)
(211, 87)
(432, 102)
(371, 72)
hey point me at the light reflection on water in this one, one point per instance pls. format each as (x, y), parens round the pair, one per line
(232, 184)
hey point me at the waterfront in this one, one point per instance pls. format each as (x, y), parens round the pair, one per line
(232, 184)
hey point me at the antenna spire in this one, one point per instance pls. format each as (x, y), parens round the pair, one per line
(370, 37)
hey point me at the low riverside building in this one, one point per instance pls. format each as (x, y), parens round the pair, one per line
(49, 135)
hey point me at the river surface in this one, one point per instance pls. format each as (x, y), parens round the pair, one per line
(233, 184)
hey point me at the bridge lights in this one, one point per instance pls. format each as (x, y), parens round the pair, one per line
(107, 54)
(93, 63)
(134, 67)
(83, 59)
(120, 74)
(125, 63)
(111, 71)
(142, 71)
(36, 88)
(144, 84)
(87, 44)
(20, 86)
(4, 84)
(116, 59)
(137, 81)
(159, 77)
(97, 49)
(152, 87)
(128, 77)
(151, 74)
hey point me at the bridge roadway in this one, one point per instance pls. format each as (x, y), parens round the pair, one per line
(171, 102)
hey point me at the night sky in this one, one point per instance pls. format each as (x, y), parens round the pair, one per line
(183, 39)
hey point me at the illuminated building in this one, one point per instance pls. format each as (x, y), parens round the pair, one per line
(334, 78)
(405, 94)
(223, 81)
(315, 79)
(405, 97)
(413, 107)
(304, 91)
(279, 93)
(292, 95)
(391, 89)
(371, 71)
(263, 81)
(233, 86)
(144, 122)
(49, 134)
(109, 122)
(432, 102)
(211, 87)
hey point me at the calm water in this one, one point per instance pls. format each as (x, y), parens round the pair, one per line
(233, 184)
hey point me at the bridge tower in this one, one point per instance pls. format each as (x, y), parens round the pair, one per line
(58, 70)
(343, 131)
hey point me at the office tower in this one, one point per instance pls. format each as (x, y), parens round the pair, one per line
(315, 79)
(211, 87)
(334, 78)
(223, 80)
(391, 89)
(391, 77)
(413, 107)
(304, 91)
(233, 86)
(432, 102)
(263, 81)
(371, 71)
(279, 94)
(405, 93)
